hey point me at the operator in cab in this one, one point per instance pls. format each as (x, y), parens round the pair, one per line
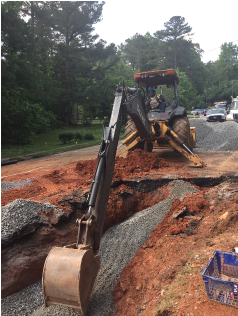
(154, 101)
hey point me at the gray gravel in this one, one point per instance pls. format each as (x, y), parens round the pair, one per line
(118, 246)
(55, 311)
(22, 217)
(215, 136)
(23, 302)
(7, 185)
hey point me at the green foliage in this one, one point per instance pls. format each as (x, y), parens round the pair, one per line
(221, 77)
(106, 123)
(49, 141)
(66, 137)
(78, 136)
(186, 92)
(141, 52)
(80, 62)
(88, 136)
(51, 60)
(168, 48)
(21, 119)
(175, 28)
(52, 63)
(86, 122)
(228, 61)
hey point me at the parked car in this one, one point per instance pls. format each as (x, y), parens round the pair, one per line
(222, 106)
(235, 117)
(198, 111)
(216, 115)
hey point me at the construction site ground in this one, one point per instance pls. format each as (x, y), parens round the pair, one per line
(162, 278)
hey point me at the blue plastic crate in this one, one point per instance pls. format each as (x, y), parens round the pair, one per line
(221, 278)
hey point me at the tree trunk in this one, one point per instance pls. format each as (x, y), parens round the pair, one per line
(68, 116)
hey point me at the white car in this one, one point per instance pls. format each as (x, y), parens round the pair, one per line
(216, 115)
(233, 115)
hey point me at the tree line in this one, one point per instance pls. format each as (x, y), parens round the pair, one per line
(52, 63)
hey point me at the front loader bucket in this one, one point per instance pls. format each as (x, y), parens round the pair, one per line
(68, 277)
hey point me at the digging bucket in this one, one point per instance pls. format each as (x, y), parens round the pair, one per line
(68, 277)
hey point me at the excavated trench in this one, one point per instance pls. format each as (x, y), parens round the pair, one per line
(151, 185)
(136, 187)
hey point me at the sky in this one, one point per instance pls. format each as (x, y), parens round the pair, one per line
(213, 22)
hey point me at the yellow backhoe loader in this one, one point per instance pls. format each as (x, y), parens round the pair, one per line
(69, 272)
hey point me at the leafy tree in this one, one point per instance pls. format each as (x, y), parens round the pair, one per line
(222, 76)
(140, 52)
(75, 50)
(168, 48)
(175, 32)
(22, 79)
(50, 61)
(113, 77)
(179, 51)
(228, 61)
(186, 92)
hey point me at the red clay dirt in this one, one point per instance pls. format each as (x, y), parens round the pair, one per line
(52, 185)
(162, 279)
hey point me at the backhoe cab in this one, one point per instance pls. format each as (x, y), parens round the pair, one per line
(168, 129)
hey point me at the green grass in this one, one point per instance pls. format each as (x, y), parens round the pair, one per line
(49, 143)
(193, 116)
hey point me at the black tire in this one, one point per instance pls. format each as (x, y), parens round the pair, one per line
(182, 128)
(129, 129)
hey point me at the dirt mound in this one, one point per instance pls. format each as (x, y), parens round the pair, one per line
(86, 167)
(138, 162)
(76, 179)
(193, 203)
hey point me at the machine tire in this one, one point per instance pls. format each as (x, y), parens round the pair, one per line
(182, 128)
(129, 129)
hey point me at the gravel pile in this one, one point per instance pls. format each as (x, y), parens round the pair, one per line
(24, 302)
(216, 136)
(118, 246)
(22, 217)
(7, 185)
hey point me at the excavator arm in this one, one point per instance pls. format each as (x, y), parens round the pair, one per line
(69, 272)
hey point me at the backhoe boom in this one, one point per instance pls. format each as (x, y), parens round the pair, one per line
(69, 272)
